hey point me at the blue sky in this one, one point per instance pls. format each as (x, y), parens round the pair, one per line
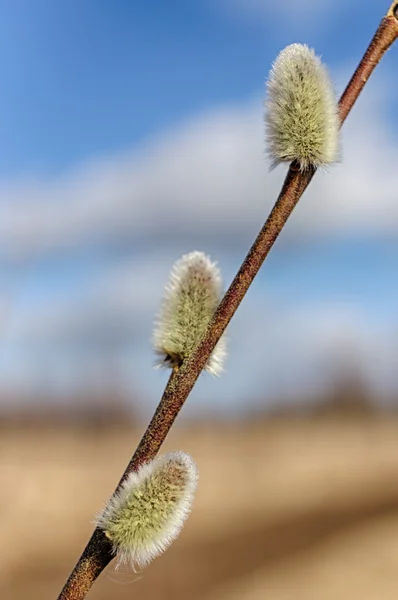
(131, 134)
(86, 79)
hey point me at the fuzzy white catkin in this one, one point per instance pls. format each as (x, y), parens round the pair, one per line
(191, 298)
(302, 120)
(147, 513)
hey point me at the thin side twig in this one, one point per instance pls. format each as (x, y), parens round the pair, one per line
(98, 552)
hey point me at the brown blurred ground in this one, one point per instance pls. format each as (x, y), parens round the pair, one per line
(288, 509)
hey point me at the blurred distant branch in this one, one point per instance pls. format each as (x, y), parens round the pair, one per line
(97, 553)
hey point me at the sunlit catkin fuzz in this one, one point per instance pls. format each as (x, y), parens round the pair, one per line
(191, 297)
(302, 121)
(146, 515)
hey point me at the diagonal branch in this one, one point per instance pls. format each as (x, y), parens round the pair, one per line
(98, 552)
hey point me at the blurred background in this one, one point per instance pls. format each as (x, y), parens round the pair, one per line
(132, 133)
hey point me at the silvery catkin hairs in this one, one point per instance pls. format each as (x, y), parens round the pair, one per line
(148, 511)
(302, 121)
(191, 297)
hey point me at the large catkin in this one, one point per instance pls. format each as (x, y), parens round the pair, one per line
(146, 515)
(301, 117)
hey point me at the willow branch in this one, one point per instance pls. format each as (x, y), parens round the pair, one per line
(97, 553)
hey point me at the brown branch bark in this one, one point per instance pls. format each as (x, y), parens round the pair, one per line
(97, 553)
(384, 37)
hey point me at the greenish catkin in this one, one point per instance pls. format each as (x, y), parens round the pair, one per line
(147, 513)
(191, 298)
(301, 117)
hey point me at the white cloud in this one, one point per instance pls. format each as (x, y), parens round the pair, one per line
(111, 303)
(202, 176)
(292, 14)
(276, 349)
(295, 348)
(207, 177)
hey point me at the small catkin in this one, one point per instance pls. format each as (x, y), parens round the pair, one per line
(147, 513)
(191, 298)
(302, 119)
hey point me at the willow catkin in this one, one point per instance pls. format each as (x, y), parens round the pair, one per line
(191, 298)
(148, 511)
(302, 121)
